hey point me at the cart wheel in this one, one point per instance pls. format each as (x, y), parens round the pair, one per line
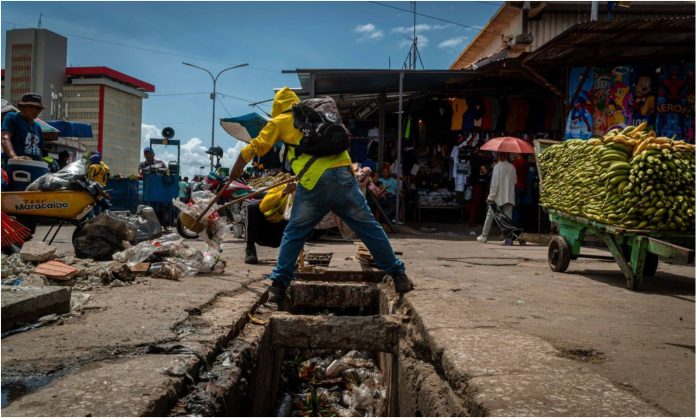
(559, 254)
(650, 266)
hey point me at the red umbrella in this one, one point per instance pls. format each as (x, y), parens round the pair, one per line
(508, 144)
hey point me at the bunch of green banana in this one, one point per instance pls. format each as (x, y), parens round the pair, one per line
(628, 178)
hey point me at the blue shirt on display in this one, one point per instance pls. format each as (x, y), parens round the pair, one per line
(26, 136)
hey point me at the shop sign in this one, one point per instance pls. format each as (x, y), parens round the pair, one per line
(366, 110)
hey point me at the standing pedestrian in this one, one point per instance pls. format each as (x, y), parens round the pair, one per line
(502, 192)
(184, 190)
(326, 184)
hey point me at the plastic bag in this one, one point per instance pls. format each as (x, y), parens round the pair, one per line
(288, 207)
(210, 258)
(136, 254)
(61, 179)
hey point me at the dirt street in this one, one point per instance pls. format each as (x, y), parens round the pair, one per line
(642, 342)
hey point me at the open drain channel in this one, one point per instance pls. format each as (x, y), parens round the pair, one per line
(343, 346)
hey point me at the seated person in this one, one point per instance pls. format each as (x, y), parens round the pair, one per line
(387, 196)
(265, 222)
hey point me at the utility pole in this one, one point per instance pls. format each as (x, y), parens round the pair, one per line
(213, 97)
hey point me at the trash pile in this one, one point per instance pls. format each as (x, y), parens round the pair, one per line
(167, 257)
(331, 384)
(170, 257)
(105, 234)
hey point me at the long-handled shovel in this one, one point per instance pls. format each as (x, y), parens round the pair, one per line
(195, 225)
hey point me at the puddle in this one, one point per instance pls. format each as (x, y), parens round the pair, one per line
(13, 389)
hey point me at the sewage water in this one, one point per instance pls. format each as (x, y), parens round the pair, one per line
(13, 389)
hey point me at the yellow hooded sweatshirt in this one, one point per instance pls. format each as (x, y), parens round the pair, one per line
(281, 128)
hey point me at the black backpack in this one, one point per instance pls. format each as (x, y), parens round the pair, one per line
(320, 123)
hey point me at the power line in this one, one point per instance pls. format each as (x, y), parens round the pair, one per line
(146, 49)
(224, 107)
(433, 17)
(176, 94)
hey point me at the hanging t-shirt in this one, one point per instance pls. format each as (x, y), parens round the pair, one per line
(512, 114)
(496, 109)
(459, 107)
(473, 115)
(487, 119)
(523, 113)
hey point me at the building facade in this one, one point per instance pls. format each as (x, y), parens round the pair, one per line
(110, 101)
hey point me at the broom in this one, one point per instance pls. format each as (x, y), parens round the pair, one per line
(13, 232)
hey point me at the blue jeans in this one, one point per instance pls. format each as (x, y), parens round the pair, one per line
(335, 191)
(517, 211)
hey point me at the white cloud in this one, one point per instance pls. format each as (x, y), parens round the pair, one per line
(457, 42)
(421, 27)
(368, 32)
(192, 151)
(408, 30)
(423, 42)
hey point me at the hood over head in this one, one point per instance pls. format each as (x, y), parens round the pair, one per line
(283, 101)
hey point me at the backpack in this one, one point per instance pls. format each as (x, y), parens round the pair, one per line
(320, 123)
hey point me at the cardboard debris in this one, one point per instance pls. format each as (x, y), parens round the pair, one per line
(55, 270)
(140, 268)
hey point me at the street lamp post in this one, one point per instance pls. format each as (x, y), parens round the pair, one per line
(213, 96)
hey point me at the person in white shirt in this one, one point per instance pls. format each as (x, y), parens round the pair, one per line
(502, 192)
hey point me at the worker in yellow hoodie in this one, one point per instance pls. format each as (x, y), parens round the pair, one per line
(265, 222)
(325, 185)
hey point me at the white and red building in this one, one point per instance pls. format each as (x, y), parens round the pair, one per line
(109, 100)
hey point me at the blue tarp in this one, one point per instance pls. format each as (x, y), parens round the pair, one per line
(72, 129)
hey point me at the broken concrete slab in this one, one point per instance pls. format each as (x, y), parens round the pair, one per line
(25, 305)
(37, 252)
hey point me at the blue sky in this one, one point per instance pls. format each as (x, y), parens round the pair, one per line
(270, 36)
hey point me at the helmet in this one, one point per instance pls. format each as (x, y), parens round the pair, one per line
(215, 150)
(95, 158)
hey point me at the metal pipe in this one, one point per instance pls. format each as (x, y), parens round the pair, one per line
(594, 11)
(398, 146)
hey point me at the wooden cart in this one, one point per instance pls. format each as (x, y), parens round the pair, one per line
(635, 251)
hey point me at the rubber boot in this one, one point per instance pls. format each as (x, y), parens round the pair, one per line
(251, 257)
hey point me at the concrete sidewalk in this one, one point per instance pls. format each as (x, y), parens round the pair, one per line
(511, 336)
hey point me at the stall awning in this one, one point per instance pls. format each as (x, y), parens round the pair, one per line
(72, 129)
(356, 81)
(628, 41)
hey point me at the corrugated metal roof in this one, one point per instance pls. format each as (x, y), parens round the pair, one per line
(550, 19)
(630, 40)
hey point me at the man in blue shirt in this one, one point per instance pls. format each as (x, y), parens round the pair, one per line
(21, 134)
